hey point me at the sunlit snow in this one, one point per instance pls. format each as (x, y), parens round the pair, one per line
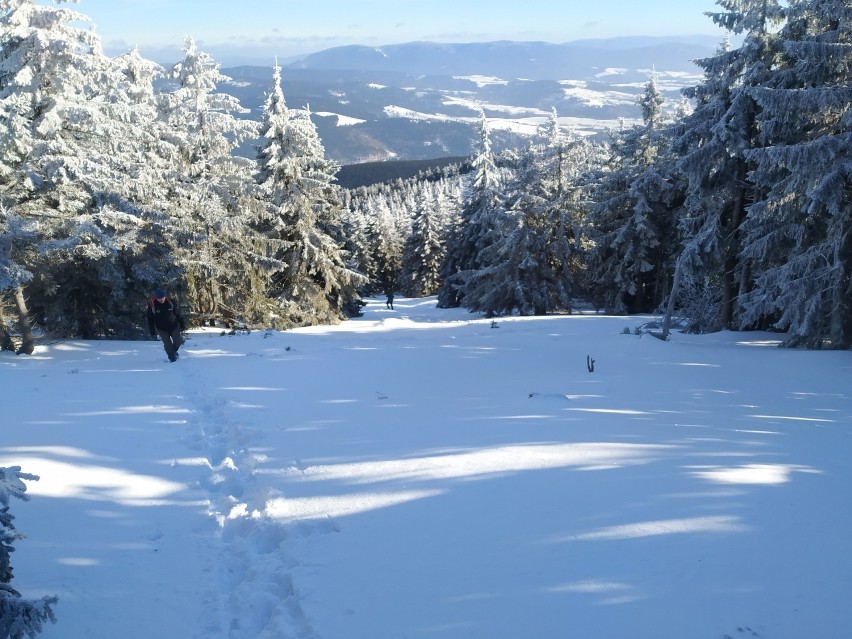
(430, 473)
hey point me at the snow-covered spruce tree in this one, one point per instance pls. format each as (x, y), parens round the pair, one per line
(127, 230)
(689, 295)
(19, 617)
(363, 237)
(508, 274)
(451, 194)
(713, 148)
(311, 278)
(392, 229)
(209, 195)
(150, 258)
(632, 219)
(533, 267)
(474, 228)
(356, 228)
(64, 159)
(424, 249)
(799, 235)
(386, 244)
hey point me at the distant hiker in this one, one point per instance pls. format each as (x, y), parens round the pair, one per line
(390, 301)
(164, 318)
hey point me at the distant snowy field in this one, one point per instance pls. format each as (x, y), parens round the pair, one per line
(422, 473)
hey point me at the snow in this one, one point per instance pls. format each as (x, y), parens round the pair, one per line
(342, 120)
(514, 123)
(422, 473)
(611, 71)
(477, 106)
(481, 80)
(599, 98)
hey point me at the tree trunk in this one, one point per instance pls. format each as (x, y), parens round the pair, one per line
(27, 338)
(667, 318)
(732, 256)
(840, 325)
(6, 343)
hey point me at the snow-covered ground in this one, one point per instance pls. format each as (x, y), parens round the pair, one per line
(420, 473)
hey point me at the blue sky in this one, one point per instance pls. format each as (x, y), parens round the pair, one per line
(235, 31)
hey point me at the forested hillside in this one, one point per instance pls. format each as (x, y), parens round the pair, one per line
(731, 207)
(352, 176)
(726, 208)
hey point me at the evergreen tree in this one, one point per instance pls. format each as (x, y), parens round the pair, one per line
(146, 188)
(49, 79)
(424, 249)
(713, 147)
(16, 239)
(356, 229)
(208, 183)
(313, 281)
(64, 159)
(387, 246)
(799, 235)
(533, 266)
(475, 227)
(632, 218)
(19, 617)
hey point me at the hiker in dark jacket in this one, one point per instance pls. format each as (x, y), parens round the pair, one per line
(164, 318)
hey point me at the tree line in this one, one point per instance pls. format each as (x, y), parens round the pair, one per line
(118, 176)
(731, 209)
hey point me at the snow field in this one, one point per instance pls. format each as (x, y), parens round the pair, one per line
(418, 473)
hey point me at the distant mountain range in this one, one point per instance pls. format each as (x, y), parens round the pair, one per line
(422, 100)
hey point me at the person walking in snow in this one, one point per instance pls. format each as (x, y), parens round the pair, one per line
(390, 301)
(164, 318)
